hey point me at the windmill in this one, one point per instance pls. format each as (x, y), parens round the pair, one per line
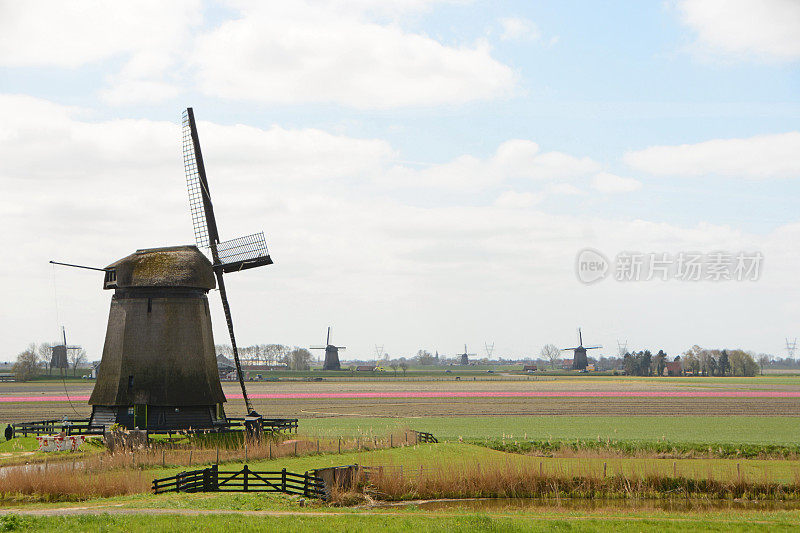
(465, 356)
(60, 353)
(234, 255)
(331, 353)
(579, 360)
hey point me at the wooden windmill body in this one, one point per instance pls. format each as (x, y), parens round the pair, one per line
(579, 359)
(331, 354)
(158, 371)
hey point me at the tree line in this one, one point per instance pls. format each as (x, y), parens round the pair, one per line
(37, 357)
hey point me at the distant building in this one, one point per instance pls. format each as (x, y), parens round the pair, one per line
(529, 368)
(673, 368)
(566, 364)
(365, 368)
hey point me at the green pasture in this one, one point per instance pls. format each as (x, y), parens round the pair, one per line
(368, 521)
(689, 429)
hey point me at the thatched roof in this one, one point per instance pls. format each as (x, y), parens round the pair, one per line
(174, 266)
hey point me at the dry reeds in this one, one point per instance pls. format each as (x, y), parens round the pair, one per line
(506, 479)
(66, 477)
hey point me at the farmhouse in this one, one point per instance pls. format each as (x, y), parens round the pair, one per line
(529, 368)
(673, 368)
(365, 368)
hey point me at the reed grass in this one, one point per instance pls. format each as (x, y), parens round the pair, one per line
(65, 477)
(512, 479)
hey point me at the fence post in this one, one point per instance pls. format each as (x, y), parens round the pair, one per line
(674, 469)
(206, 479)
(604, 469)
(283, 480)
(245, 469)
(178, 481)
(245, 450)
(340, 444)
(295, 448)
(391, 440)
(162, 457)
(190, 457)
(738, 472)
(317, 446)
(270, 450)
(305, 484)
(217, 453)
(215, 477)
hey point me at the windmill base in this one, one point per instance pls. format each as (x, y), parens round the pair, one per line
(157, 418)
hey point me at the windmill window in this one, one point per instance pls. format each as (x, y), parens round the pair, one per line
(130, 381)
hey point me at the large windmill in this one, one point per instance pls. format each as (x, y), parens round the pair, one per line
(158, 371)
(465, 356)
(331, 353)
(234, 255)
(579, 360)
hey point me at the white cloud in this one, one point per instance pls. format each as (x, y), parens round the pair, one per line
(760, 157)
(148, 37)
(91, 192)
(295, 52)
(611, 183)
(517, 29)
(516, 159)
(766, 29)
(517, 200)
(566, 189)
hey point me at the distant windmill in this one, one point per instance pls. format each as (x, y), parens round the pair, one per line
(579, 360)
(465, 356)
(60, 354)
(331, 353)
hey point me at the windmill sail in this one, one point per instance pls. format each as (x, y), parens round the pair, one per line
(228, 256)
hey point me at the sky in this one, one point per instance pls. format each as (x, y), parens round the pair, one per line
(426, 172)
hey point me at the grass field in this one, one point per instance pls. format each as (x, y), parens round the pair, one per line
(422, 521)
(696, 421)
(724, 429)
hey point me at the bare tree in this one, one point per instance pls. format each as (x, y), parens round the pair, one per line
(403, 367)
(393, 366)
(44, 355)
(26, 366)
(76, 357)
(551, 353)
(763, 360)
(299, 359)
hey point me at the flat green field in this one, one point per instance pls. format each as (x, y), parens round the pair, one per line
(685, 429)
(411, 520)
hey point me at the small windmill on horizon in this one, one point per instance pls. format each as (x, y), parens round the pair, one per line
(331, 353)
(59, 357)
(579, 360)
(465, 356)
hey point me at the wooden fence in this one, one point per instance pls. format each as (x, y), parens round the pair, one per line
(245, 480)
(52, 427)
(423, 436)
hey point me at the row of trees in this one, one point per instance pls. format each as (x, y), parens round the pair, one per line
(270, 355)
(643, 363)
(722, 362)
(35, 358)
